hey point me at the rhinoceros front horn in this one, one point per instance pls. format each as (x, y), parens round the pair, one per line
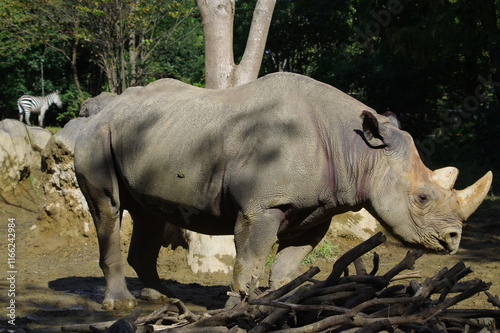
(471, 197)
(445, 177)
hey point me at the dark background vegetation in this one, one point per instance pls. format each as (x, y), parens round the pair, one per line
(435, 63)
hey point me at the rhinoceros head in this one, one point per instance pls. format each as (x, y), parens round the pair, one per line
(417, 204)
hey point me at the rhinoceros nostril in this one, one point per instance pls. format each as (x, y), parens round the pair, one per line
(454, 236)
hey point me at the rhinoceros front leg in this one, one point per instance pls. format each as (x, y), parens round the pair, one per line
(292, 251)
(255, 234)
(147, 237)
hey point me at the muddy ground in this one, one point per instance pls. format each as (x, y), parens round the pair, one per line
(57, 284)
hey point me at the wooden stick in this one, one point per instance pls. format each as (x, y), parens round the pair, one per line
(278, 313)
(362, 303)
(299, 307)
(295, 283)
(409, 275)
(345, 260)
(100, 326)
(86, 327)
(184, 312)
(493, 299)
(360, 267)
(155, 315)
(408, 262)
(184, 329)
(334, 289)
(376, 263)
(125, 324)
(454, 279)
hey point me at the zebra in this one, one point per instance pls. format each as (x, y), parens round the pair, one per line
(32, 104)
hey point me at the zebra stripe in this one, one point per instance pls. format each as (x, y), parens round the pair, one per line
(28, 104)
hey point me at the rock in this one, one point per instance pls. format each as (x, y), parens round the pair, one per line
(65, 209)
(95, 104)
(20, 147)
(39, 138)
(361, 225)
(210, 254)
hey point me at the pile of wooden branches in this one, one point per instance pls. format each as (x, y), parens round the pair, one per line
(364, 302)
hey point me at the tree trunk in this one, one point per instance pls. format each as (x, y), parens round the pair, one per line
(109, 67)
(133, 57)
(218, 20)
(221, 72)
(74, 68)
(72, 59)
(248, 69)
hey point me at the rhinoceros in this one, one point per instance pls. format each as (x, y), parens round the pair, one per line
(269, 161)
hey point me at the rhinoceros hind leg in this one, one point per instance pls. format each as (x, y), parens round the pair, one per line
(291, 252)
(101, 190)
(147, 237)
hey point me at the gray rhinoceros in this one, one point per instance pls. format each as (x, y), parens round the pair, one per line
(269, 161)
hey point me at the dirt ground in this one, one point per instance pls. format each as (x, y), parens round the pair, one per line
(58, 284)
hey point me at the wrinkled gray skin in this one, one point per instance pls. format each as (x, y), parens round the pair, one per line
(269, 161)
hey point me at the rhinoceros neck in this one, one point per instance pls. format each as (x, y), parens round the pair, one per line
(353, 165)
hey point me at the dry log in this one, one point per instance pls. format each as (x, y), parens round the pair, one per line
(184, 312)
(409, 275)
(86, 327)
(300, 307)
(345, 260)
(493, 299)
(356, 303)
(295, 283)
(126, 324)
(216, 329)
(407, 263)
(360, 267)
(278, 313)
(155, 315)
(376, 262)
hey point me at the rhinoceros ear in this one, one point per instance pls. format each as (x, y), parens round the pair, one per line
(393, 119)
(372, 130)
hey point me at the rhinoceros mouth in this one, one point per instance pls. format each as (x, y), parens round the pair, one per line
(442, 245)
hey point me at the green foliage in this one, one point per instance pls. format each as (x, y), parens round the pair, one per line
(81, 45)
(325, 250)
(426, 61)
(72, 102)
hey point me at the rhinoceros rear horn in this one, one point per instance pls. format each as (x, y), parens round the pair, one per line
(471, 197)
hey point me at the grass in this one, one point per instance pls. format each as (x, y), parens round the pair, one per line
(35, 185)
(325, 250)
(53, 129)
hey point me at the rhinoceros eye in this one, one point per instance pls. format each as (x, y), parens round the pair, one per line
(422, 198)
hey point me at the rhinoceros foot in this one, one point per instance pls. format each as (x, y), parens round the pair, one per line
(152, 295)
(122, 303)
